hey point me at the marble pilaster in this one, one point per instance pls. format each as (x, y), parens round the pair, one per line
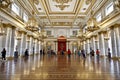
(23, 43)
(117, 33)
(88, 46)
(9, 40)
(31, 45)
(113, 42)
(36, 45)
(101, 43)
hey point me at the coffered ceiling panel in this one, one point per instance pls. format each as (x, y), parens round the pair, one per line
(61, 6)
(63, 12)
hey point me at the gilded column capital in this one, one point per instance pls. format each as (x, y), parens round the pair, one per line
(29, 35)
(106, 38)
(9, 25)
(22, 31)
(93, 36)
(102, 32)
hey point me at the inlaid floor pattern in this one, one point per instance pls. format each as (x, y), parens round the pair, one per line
(60, 67)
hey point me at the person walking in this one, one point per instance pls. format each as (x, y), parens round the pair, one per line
(69, 53)
(97, 53)
(26, 53)
(109, 53)
(79, 53)
(3, 54)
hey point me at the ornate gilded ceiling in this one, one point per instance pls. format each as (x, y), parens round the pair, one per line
(62, 12)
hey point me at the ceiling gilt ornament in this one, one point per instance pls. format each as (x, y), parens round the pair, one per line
(5, 3)
(117, 4)
(2, 32)
(88, 2)
(62, 3)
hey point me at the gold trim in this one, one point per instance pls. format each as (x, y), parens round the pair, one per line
(51, 12)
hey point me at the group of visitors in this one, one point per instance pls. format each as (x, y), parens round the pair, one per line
(78, 52)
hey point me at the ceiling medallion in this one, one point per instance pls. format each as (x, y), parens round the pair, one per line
(61, 3)
(88, 2)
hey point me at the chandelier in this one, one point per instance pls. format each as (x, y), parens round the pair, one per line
(92, 24)
(2, 32)
(81, 34)
(32, 25)
(42, 34)
(5, 3)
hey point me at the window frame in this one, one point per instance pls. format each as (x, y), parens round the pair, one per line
(108, 8)
(99, 17)
(15, 8)
(25, 17)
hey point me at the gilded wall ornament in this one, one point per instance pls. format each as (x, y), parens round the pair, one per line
(62, 3)
(117, 4)
(88, 2)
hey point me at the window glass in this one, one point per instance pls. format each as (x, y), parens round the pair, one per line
(49, 33)
(109, 8)
(75, 32)
(25, 17)
(98, 17)
(15, 8)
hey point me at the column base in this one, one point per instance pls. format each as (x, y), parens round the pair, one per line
(102, 56)
(116, 58)
(10, 58)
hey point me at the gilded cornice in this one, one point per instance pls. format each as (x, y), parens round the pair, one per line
(102, 32)
(9, 25)
(7, 13)
(22, 31)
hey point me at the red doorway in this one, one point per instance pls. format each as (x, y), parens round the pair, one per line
(61, 43)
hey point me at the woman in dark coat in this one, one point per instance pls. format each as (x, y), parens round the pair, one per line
(26, 52)
(3, 54)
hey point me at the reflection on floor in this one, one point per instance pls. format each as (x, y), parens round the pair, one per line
(59, 68)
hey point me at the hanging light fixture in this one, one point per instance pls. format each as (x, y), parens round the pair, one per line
(92, 24)
(42, 34)
(32, 24)
(81, 34)
(5, 3)
(2, 32)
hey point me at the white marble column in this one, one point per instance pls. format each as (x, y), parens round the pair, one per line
(12, 42)
(113, 42)
(23, 43)
(56, 47)
(117, 33)
(8, 40)
(1, 40)
(18, 44)
(31, 45)
(88, 46)
(84, 45)
(38, 51)
(106, 45)
(93, 42)
(35, 46)
(67, 45)
(39, 46)
(96, 44)
(101, 43)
